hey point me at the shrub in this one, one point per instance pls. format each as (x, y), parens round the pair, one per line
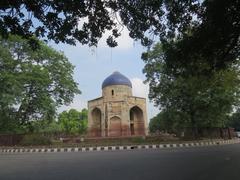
(137, 140)
(35, 139)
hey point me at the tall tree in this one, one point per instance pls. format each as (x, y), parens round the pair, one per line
(203, 98)
(33, 83)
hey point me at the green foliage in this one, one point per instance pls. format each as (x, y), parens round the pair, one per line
(137, 140)
(167, 121)
(43, 126)
(35, 140)
(59, 21)
(32, 83)
(155, 124)
(201, 96)
(73, 121)
(194, 73)
(69, 122)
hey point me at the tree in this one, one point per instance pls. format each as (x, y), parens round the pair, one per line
(155, 124)
(44, 126)
(214, 24)
(167, 121)
(73, 121)
(33, 83)
(202, 99)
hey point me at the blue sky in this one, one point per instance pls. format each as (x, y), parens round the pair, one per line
(93, 65)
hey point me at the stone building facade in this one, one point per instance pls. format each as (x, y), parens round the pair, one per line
(117, 113)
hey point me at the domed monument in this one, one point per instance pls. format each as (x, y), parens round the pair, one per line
(117, 113)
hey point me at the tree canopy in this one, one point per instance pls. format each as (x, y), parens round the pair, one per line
(201, 99)
(73, 121)
(214, 24)
(32, 83)
(167, 120)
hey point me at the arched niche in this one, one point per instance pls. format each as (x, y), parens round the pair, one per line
(97, 121)
(136, 121)
(115, 126)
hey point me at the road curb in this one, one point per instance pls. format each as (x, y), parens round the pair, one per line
(113, 148)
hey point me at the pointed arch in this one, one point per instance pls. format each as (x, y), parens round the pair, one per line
(97, 121)
(136, 121)
(115, 126)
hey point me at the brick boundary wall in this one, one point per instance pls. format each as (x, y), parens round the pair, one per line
(113, 148)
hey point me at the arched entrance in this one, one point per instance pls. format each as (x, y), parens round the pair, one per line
(115, 126)
(97, 121)
(136, 121)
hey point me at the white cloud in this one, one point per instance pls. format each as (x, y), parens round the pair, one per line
(124, 41)
(139, 88)
(78, 103)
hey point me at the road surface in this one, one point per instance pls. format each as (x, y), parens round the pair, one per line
(193, 163)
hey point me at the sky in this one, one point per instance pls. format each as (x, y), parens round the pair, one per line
(93, 65)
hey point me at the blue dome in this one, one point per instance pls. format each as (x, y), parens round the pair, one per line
(116, 78)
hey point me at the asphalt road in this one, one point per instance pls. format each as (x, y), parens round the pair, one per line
(196, 163)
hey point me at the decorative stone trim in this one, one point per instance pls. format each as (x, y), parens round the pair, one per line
(115, 148)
